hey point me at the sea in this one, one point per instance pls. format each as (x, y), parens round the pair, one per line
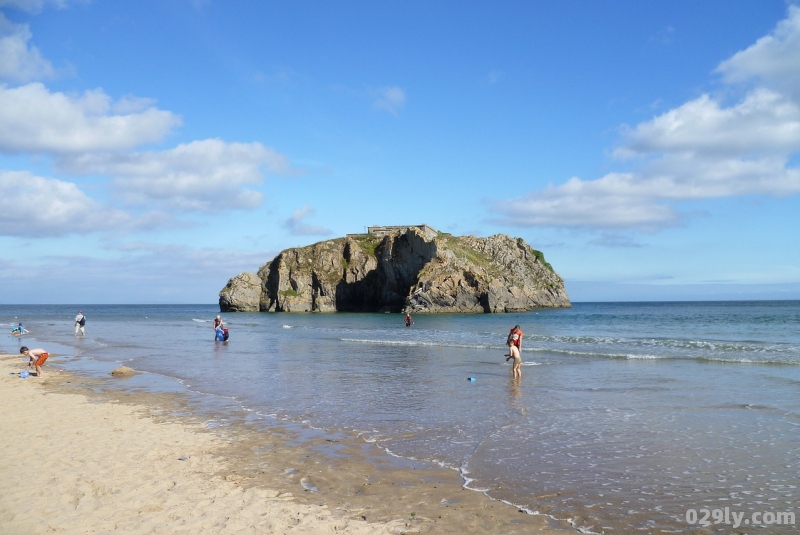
(628, 418)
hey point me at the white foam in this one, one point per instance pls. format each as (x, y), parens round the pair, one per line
(419, 343)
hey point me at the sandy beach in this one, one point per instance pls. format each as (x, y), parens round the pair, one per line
(81, 456)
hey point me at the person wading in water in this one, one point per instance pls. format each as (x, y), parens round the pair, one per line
(514, 342)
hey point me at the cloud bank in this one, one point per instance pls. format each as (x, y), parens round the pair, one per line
(34, 120)
(90, 133)
(33, 206)
(35, 6)
(202, 175)
(700, 150)
(20, 62)
(773, 59)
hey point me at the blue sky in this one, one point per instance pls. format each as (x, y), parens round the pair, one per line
(151, 150)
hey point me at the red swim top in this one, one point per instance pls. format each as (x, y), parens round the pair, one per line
(516, 337)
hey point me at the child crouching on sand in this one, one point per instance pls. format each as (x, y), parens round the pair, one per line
(37, 357)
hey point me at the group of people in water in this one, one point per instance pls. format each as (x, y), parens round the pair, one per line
(37, 357)
(513, 341)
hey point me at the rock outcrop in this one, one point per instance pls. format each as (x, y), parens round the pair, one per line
(123, 371)
(407, 270)
(241, 294)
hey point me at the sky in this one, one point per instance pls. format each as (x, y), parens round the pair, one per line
(151, 150)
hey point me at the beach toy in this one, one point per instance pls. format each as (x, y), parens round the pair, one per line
(470, 379)
(24, 374)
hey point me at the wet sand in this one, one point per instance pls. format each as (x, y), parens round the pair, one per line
(83, 455)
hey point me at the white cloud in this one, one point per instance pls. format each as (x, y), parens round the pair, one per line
(34, 120)
(132, 104)
(642, 200)
(297, 226)
(763, 122)
(202, 175)
(699, 150)
(774, 59)
(390, 99)
(32, 206)
(19, 61)
(35, 6)
(688, 177)
(614, 201)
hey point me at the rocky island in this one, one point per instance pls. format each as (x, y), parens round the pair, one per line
(392, 269)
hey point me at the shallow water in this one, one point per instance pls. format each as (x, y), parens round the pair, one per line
(627, 414)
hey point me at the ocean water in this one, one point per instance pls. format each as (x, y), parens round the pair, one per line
(627, 414)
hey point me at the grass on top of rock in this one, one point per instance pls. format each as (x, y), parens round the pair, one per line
(368, 243)
(538, 254)
(464, 251)
(540, 257)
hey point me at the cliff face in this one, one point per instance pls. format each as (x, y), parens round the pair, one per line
(408, 270)
(241, 294)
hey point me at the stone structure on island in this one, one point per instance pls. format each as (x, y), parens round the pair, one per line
(400, 269)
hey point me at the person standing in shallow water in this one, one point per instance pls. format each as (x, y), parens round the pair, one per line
(219, 330)
(514, 342)
(80, 323)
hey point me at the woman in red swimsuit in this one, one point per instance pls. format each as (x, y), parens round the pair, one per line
(514, 342)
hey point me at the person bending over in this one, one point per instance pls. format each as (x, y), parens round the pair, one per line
(36, 357)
